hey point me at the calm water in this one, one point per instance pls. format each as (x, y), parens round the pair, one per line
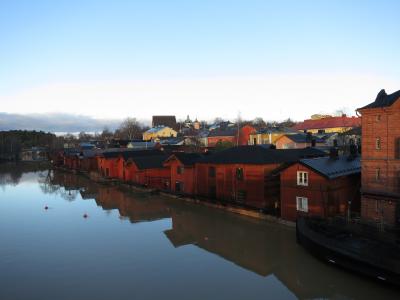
(136, 246)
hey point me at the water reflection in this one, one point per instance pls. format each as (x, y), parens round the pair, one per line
(263, 248)
(13, 173)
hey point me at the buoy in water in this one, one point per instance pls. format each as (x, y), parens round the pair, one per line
(46, 207)
(85, 216)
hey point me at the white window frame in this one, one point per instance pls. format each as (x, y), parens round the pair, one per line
(302, 178)
(302, 204)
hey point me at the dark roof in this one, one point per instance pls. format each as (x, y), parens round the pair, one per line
(383, 100)
(88, 153)
(334, 167)
(141, 153)
(303, 138)
(149, 162)
(169, 121)
(188, 159)
(223, 132)
(276, 130)
(259, 155)
(127, 153)
(71, 152)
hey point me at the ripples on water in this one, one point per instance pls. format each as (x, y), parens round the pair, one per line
(140, 246)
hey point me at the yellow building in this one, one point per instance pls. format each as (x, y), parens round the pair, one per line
(159, 132)
(269, 135)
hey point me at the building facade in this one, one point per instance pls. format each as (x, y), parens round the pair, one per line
(323, 187)
(381, 159)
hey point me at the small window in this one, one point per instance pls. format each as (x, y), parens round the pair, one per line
(302, 178)
(211, 172)
(239, 174)
(378, 144)
(378, 118)
(302, 204)
(180, 170)
(378, 174)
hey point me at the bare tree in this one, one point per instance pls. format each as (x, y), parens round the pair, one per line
(129, 129)
(83, 136)
(106, 134)
(259, 122)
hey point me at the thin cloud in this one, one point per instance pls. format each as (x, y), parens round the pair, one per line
(272, 97)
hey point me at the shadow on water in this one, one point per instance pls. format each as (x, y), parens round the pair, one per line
(263, 248)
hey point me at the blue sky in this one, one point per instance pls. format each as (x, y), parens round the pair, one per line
(68, 56)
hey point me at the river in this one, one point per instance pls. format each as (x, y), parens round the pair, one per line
(103, 242)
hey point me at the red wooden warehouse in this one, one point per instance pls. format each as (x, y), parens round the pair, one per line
(124, 170)
(248, 175)
(323, 187)
(149, 171)
(182, 167)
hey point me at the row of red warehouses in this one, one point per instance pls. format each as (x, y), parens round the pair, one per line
(280, 182)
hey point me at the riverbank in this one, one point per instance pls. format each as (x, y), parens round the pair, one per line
(94, 176)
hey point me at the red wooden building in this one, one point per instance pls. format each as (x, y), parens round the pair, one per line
(380, 200)
(107, 163)
(71, 159)
(88, 160)
(123, 170)
(244, 134)
(182, 168)
(221, 135)
(323, 186)
(232, 135)
(248, 175)
(149, 171)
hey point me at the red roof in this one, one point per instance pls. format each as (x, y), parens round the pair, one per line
(330, 122)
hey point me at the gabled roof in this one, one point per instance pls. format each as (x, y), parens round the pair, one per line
(303, 138)
(140, 153)
(127, 153)
(223, 132)
(383, 100)
(259, 155)
(172, 141)
(141, 145)
(89, 153)
(149, 162)
(169, 121)
(330, 122)
(187, 159)
(333, 167)
(157, 129)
